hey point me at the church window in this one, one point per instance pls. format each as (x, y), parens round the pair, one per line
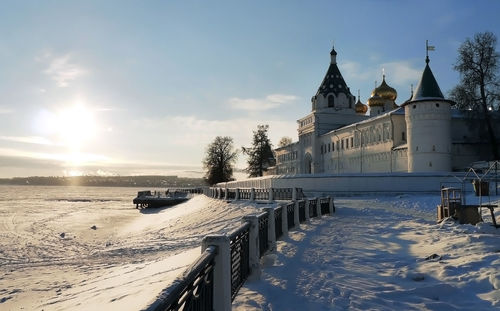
(347, 143)
(437, 105)
(414, 106)
(352, 144)
(416, 148)
(342, 144)
(403, 136)
(328, 147)
(433, 148)
(331, 101)
(333, 146)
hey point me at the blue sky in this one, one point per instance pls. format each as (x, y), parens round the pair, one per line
(141, 87)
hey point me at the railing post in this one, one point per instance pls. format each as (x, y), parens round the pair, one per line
(271, 233)
(271, 195)
(284, 220)
(296, 218)
(226, 194)
(252, 194)
(308, 216)
(222, 270)
(331, 207)
(237, 195)
(294, 194)
(253, 251)
(318, 207)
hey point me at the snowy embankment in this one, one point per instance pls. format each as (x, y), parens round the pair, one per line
(94, 251)
(381, 254)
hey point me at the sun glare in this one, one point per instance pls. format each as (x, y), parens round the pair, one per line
(75, 126)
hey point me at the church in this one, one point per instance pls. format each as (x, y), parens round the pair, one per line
(422, 134)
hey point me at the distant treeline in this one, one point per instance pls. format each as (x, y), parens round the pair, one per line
(107, 181)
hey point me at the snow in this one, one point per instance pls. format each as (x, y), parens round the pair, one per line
(378, 254)
(51, 258)
(375, 253)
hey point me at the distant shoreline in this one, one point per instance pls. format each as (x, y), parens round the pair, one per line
(106, 181)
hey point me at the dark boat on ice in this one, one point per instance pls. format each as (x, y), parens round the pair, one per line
(146, 199)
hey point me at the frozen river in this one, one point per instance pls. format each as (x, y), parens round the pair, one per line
(87, 247)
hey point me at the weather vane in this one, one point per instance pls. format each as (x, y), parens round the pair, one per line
(427, 49)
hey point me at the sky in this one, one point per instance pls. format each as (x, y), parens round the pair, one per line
(142, 87)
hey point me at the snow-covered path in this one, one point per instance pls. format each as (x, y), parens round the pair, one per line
(378, 254)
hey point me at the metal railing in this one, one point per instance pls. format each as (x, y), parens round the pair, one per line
(261, 194)
(282, 193)
(313, 212)
(231, 194)
(193, 290)
(277, 222)
(302, 211)
(290, 214)
(239, 245)
(245, 194)
(324, 204)
(263, 219)
(213, 281)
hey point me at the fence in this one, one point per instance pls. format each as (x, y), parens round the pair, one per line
(255, 194)
(213, 281)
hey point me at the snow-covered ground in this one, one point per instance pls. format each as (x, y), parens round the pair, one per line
(383, 253)
(53, 258)
(374, 253)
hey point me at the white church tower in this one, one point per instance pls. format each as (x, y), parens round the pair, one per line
(332, 107)
(428, 124)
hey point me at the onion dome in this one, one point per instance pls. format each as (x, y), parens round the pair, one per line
(375, 100)
(385, 91)
(359, 107)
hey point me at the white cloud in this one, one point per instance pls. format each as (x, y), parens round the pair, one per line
(5, 110)
(398, 72)
(261, 104)
(62, 70)
(28, 139)
(192, 134)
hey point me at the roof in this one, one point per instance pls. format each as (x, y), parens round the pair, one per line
(428, 88)
(333, 82)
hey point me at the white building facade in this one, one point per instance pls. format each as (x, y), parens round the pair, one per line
(424, 134)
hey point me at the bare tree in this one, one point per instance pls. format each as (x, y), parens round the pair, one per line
(479, 86)
(219, 160)
(284, 141)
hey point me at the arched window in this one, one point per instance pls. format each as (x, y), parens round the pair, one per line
(331, 101)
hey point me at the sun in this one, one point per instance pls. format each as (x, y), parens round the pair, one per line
(76, 125)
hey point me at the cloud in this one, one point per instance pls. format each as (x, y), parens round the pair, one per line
(398, 72)
(28, 139)
(62, 70)
(193, 131)
(5, 110)
(271, 101)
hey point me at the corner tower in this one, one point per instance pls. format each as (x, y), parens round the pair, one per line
(428, 124)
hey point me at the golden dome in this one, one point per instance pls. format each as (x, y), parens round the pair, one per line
(360, 107)
(375, 100)
(385, 91)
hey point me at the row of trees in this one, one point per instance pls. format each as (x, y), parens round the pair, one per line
(221, 156)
